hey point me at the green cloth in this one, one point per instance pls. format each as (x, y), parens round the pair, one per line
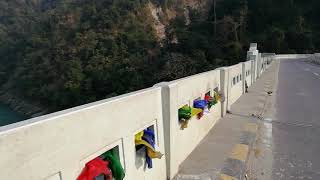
(211, 101)
(115, 165)
(184, 113)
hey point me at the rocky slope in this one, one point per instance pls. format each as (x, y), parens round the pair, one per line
(162, 16)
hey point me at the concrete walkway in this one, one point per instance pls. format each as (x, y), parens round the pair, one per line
(223, 153)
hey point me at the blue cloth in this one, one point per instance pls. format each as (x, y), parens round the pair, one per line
(148, 132)
(201, 104)
(149, 137)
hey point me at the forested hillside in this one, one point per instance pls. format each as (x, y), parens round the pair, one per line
(62, 53)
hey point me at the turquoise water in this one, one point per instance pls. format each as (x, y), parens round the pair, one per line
(8, 116)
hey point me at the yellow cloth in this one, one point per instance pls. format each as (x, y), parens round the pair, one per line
(152, 153)
(184, 124)
(139, 135)
(195, 111)
(217, 96)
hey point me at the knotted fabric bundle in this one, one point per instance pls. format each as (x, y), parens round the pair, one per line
(114, 164)
(185, 113)
(200, 104)
(211, 101)
(217, 96)
(94, 169)
(146, 138)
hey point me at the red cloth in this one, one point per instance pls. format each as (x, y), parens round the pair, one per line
(207, 97)
(95, 168)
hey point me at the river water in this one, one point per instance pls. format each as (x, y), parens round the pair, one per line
(8, 116)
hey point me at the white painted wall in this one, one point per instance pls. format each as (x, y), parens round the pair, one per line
(180, 143)
(253, 59)
(268, 59)
(253, 47)
(262, 63)
(253, 55)
(259, 65)
(292, 56)
(315, 58)
(224, 85)
(235, 89)
(63, 142)
(248, 68)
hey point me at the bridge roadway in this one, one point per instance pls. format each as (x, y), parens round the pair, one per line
(288, 142)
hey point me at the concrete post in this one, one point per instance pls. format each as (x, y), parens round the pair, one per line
(253, 46)
(262, 65)
(169, 111)
(165, 97)
(253, 68)
(253, 54)
(252, 71)
(243, 78)
(258, 65)
(249, 54)
(225, 85)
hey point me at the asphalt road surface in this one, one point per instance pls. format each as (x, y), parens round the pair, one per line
(288, 144)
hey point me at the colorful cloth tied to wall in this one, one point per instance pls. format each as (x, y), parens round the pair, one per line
(200, 104)
(96, 168)
(185, 113)
(217, 96)
(147, 139)
(114, 164)
(211, 101)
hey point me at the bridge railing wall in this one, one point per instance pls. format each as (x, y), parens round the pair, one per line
(181, 142)
(58, 145)
(293, 56)
(248, 72)
(315, 58)
(235, 84)
(253, 59)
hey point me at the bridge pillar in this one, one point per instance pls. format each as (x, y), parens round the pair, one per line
(253, 54)
(225, 89)
(169, 93)
(243, 78)
(253, 59)
(259, 65)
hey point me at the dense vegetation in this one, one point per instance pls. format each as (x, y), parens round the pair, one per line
(62, 53)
